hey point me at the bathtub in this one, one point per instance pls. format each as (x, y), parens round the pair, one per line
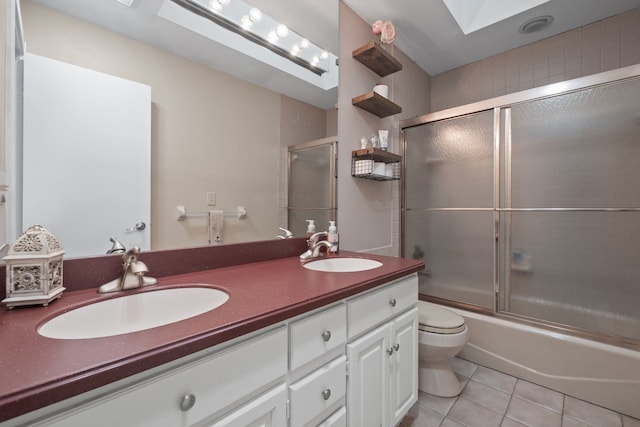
(602, 374)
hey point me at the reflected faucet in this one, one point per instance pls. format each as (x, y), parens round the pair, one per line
(287, 234)
(117, 247)
(133, 274)
(315, 245)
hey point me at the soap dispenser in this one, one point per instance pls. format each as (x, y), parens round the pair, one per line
(333, 238)
(311, 228)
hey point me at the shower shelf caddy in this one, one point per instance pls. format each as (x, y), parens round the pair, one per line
(381, 62)
(363, 164)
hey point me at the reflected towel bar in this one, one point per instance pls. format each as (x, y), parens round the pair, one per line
(240, 213)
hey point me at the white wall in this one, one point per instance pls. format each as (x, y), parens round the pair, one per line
(368, 211)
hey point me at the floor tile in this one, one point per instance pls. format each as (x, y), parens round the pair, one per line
(630, 422)
(508, 422)
(572, 422)
(487, 393)
(441, 405)
(421, 416)
(469, 413)
(494, 379)
(486, 396)
(540, 395)
(448, 422)
(532, 415)
(463, 367)
(591, 414)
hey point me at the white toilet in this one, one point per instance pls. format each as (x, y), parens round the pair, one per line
(441, 336)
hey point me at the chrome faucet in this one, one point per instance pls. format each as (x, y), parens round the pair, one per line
(117, 247)
(133, 274)
(287, 234)
(315, 245)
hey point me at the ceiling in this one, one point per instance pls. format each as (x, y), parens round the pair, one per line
(426, 31)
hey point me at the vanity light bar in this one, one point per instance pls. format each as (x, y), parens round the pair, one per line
(258, 27)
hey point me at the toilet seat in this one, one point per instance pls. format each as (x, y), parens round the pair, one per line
(435, 319)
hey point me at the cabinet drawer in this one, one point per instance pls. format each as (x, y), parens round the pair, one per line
(317, 334)
(375, 307)
(337, 419)
(215, 382)
(318, 391)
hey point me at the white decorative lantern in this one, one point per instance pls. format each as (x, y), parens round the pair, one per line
(34, 269)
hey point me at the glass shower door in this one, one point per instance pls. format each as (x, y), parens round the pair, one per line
(448, 207)
(571, 210)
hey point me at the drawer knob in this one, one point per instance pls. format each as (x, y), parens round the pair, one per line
(326, 335)
(392, 301)
(390, 351)
(187, 402)
(396, 347)
(326, 394)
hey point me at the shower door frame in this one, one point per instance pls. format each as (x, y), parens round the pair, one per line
(498, 105)
(331, 142)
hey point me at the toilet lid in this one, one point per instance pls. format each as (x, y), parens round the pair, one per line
(433, 318)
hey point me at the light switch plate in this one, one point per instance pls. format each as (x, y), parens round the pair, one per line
(211, 199)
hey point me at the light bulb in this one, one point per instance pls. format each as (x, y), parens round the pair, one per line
(272, 37)
(255, 15)
(324, 54)
(282, 30)
(304, 43)
(295, 49)
(315, 60)
(246, 22)
(215, 6)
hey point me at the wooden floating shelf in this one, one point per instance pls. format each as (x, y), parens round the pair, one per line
(376, 104)
(374, 57)
(377, 154)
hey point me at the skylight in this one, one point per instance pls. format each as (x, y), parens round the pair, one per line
(472, 15)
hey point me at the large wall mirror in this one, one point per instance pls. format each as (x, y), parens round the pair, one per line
(221, 120)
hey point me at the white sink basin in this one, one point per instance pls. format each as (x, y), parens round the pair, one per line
(342, 265)
(133, 313)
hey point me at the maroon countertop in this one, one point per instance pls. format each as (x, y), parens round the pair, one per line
(36, 371)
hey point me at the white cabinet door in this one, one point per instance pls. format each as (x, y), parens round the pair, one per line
(403, 370)
(267, 410)
(367, 385)
(383, 372)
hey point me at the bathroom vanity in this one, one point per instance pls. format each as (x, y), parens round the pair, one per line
(292, 346)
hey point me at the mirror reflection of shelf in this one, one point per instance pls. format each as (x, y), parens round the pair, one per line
(366, 163)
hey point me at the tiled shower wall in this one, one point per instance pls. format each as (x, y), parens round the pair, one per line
(604, 45)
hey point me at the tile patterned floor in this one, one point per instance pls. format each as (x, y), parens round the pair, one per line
(493, 399)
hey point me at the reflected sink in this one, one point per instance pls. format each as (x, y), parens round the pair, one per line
(133, 313)
(342, 265)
